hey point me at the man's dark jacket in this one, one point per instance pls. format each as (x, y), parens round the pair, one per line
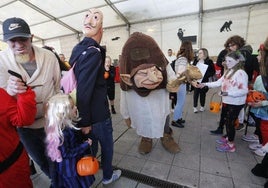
(92, 102)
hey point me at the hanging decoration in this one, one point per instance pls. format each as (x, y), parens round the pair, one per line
(226, 26)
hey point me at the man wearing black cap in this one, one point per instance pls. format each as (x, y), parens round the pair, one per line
(40, 70)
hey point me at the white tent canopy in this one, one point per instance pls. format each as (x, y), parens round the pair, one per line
(52, 19)
(49, 18)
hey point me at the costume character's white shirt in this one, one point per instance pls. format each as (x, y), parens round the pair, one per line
(148, 114)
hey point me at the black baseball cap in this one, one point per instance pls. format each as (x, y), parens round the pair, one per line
(15, 27)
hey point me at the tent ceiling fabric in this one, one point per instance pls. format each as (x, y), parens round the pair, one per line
(49, 19)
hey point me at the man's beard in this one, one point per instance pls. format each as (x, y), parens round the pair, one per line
(22, 58)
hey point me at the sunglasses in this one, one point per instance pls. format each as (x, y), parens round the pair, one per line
(230, 45)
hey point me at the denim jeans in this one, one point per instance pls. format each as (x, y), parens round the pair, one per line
(181, 95)
(34, 143)
(102, 132)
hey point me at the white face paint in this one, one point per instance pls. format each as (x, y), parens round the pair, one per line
(230, 62)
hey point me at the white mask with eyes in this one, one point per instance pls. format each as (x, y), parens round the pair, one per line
(230, 62)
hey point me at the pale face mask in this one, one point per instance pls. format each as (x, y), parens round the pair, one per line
(230, 62)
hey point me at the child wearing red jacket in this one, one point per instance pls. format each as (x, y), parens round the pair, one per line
(18, 108)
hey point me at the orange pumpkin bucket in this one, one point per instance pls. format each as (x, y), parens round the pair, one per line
(87, 165)
(214, 106)
(255, 96)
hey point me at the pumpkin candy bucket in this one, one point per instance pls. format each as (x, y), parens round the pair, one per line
(255, 96)
(87, 165)
(214, 106)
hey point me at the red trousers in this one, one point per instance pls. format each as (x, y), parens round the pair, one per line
(18, 174)
(264, 131)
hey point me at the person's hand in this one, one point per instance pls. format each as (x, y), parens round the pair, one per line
(128, 122)
(86, 130)
(15, 86)
(255, 104)
(200, 85)
(89, 141)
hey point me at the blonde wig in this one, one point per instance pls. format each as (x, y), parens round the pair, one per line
(60, 113)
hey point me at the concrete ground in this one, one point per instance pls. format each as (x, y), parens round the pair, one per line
(197, 165)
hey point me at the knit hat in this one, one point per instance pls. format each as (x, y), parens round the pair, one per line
(15, 27)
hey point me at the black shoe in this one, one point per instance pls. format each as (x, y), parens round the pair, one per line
(180, 121)
(177, 124)
(113, 111)
(218, 131)
(240, 127)
(266, 185)
(32, 168)
(259, 170)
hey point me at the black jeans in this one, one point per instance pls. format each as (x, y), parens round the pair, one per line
(202, 93)
(230, 112)
(34, 143)
(102, 133)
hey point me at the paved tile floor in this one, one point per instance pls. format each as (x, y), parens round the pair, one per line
(197, 165)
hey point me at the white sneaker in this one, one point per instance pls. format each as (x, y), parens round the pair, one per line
(116, 175)
(202, 109)
(255, 146)
(195, 110)
(265, 148)
(260, 152)
(250, 138)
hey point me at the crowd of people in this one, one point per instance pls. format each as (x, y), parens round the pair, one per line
(56, 130)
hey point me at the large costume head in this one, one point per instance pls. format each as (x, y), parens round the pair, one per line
(142, 65)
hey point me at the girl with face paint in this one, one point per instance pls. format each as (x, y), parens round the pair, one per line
(234, 89)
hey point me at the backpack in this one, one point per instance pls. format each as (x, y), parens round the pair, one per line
(68, 81)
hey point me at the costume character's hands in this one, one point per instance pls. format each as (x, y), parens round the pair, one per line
(173, 85)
